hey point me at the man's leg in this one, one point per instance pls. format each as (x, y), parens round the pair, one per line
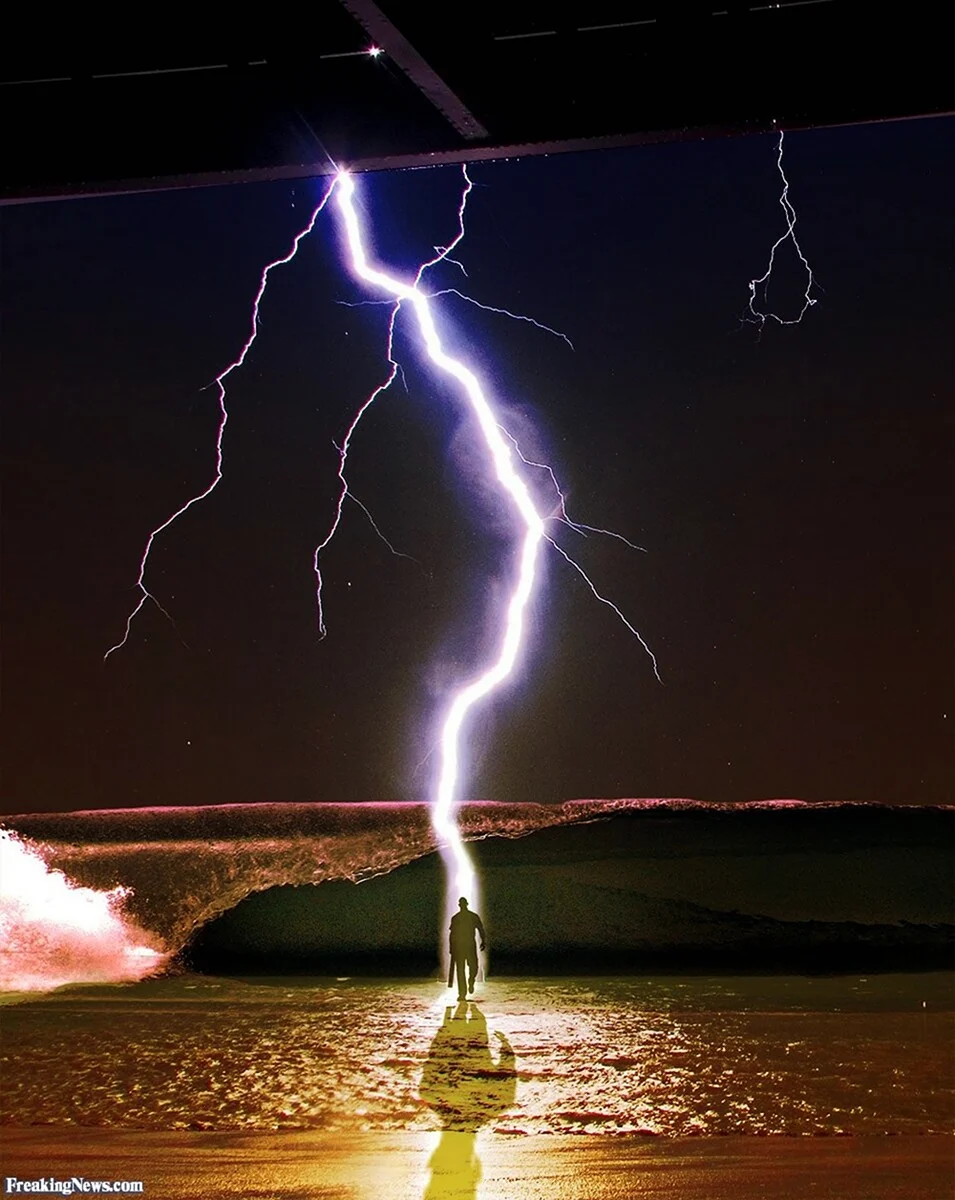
(459, 972)
(472, 968)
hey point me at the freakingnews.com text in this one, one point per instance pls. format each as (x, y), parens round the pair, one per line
(14, 1186)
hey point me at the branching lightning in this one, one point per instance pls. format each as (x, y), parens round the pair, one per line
(505, 461)
(219, 384)
(501, 312)
(609, 603)
(560, 512)
(758, 287)
(505, 312)
(394, 369)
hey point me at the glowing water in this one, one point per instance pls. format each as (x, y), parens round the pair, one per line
(52, 931)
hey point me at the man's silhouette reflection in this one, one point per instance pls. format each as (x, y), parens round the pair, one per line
(466, 1088)
(465, 925)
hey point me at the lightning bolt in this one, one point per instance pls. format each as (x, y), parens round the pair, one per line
(506, 460)
(758, 287)
(218, 383)
(504, 456)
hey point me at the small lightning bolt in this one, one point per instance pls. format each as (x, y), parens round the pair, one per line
(219, 384)
(758, 287)
(561, 504)
(505, 312)
(343, 449)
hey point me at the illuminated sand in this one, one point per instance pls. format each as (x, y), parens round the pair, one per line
(400, 1166)
(671, 1056)
(686, 1087)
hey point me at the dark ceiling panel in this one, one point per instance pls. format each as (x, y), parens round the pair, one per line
(90, 107)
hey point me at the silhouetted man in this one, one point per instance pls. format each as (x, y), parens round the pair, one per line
(464, 925)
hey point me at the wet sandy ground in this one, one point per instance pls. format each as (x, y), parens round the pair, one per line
(458, 1166)
(677, 1057)
(685, 1089)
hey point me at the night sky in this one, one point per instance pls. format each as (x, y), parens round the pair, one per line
(793, 490)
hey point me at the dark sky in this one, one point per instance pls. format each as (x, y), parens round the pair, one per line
(793, 491)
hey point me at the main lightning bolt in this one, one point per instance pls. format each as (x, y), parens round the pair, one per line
(759, 286)
(502, 456)
(505, 458)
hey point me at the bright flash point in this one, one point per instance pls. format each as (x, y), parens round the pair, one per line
(374, 51)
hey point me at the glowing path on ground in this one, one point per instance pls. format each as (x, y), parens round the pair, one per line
(504, 456)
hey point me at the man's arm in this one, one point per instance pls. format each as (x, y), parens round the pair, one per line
(479, 926)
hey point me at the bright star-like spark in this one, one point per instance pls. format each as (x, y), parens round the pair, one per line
(759, 286)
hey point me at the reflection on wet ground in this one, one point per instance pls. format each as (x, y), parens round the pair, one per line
(466, 1088)
(675, 1056)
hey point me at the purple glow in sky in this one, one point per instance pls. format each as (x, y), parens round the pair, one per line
(504, 462)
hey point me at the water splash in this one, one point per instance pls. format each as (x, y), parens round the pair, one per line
(54, 932)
